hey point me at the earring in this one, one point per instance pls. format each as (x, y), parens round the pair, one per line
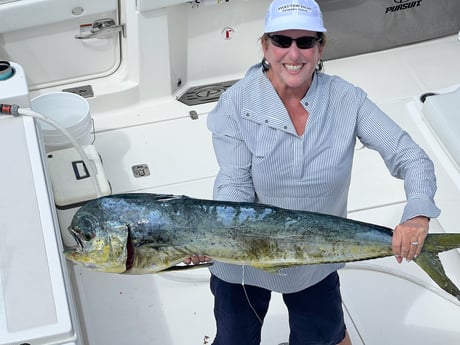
(265, 65)
(320, 65)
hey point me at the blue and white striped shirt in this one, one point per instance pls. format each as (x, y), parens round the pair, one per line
(263, 159)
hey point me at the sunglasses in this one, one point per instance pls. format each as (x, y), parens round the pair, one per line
(305, 42)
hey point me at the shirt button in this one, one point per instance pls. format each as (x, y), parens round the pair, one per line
(266, 121)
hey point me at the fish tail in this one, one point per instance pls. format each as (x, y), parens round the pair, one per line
(441, 242)
(429, 260)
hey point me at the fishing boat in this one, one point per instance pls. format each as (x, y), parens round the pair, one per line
(150, 72)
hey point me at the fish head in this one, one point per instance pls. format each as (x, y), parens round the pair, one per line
(101, 245)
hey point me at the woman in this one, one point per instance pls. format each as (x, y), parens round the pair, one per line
(285, 135)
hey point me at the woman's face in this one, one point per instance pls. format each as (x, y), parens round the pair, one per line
(291, 68)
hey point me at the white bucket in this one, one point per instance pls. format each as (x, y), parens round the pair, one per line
(71, 111)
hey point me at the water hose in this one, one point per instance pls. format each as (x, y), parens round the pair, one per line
(15, 110)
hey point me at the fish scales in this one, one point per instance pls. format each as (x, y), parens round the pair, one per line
(149, 233)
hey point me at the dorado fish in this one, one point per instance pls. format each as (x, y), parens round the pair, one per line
(151, 233)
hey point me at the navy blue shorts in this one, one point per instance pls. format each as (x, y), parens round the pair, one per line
(315, 314)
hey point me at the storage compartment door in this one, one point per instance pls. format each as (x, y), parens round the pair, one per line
(41, 35)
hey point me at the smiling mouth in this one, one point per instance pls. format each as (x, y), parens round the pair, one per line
(293, 67)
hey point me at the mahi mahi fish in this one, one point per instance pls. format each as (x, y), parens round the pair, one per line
(142, 233)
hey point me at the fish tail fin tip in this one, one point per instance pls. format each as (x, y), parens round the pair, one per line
(431, 264)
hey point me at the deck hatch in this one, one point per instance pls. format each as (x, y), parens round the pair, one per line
(205, 93)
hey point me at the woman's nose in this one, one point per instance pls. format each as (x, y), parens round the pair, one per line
(293, 51)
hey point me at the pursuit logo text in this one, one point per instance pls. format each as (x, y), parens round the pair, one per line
(403, 5)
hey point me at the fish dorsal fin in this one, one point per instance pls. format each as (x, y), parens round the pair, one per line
(157, 197)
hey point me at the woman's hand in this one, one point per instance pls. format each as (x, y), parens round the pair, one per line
(408, 238)
(197, 259)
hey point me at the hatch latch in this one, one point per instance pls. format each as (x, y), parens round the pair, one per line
(101, 28)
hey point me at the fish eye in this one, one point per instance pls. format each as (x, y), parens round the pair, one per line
(87, 237)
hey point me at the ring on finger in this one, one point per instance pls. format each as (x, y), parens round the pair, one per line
(414, 243)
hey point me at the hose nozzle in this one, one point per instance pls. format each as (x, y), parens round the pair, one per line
(9, 109)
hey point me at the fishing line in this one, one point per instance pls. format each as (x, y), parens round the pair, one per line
(247, 298)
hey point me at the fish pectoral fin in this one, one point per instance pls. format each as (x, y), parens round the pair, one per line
(273, 269)
(186, 267)
(432, 265)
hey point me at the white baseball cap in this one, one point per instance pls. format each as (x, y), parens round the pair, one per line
(294, 14)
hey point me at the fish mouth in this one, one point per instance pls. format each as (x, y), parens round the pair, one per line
(76, 238)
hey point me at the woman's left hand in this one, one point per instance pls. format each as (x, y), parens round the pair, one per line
(408, 238)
